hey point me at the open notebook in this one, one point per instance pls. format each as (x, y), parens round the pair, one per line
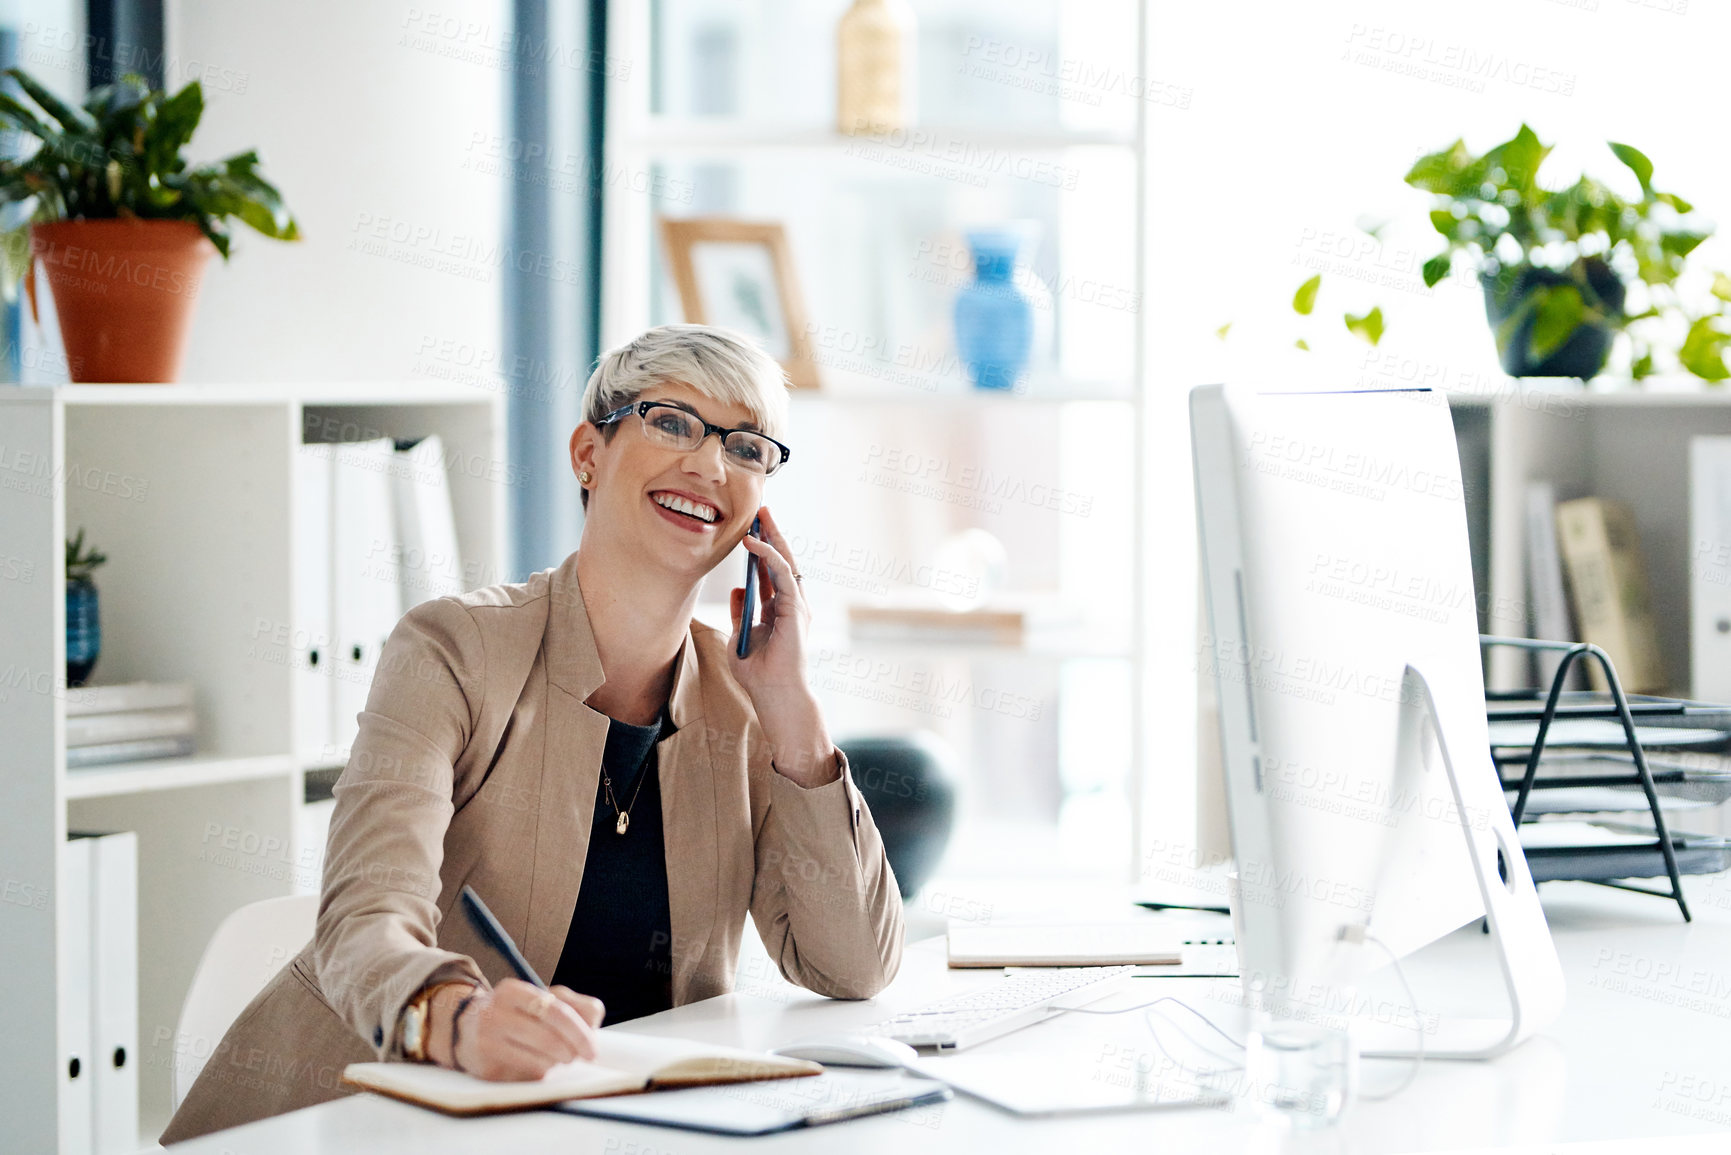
(624, 1064)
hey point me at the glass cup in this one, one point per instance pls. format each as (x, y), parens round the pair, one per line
(1300, 1072)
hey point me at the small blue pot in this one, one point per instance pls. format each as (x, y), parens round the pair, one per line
(994, 318)
(83, 630)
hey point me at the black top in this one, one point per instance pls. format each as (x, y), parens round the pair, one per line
(620, 945)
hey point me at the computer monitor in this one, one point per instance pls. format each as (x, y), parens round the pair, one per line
(1342, 634)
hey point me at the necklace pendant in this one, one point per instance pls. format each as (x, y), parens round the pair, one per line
(624, 821)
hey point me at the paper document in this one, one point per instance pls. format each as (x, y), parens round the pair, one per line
(1143, 942)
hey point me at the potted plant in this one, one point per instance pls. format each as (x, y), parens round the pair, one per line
(1564, 271)
(121, 223)
(83, 621)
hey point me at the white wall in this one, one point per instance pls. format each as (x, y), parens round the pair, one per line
(1305, 117)
(371, 118)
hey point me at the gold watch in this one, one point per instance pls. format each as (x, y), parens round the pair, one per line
(417, 1023)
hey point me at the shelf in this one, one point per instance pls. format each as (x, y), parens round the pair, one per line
(173, 774)
(1054, 645)
(829, 639)
(851, 393)
(371, 393)
(1554, 395)
(957, 144)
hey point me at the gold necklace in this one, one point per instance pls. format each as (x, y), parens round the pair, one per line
(624, 821)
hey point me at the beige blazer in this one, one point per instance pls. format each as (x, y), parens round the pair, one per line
(477, 762)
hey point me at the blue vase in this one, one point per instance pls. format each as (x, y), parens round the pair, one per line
(83, 630)
(994, 318)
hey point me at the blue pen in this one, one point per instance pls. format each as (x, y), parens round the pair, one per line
(489, 929)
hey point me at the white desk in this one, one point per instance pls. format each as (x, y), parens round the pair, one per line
(1643, 1049)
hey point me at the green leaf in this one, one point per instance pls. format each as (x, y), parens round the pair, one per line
(175, 122)
(1223, 330)
(1444, 172)
(1304, 300)
(1680, 243)
(1674, 201)
(1301, 344)
(1642, 367)
(17, 116)
(1703, 351)
(1436, 269)
(1637, 162)
(1519, 157)
(1556, 316)
(1721, 286)
(1445, 222)
(1367, 328)
(71, 119)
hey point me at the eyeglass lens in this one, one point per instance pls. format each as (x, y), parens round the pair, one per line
(678, 429)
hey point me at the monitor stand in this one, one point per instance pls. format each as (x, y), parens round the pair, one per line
(1526, 956)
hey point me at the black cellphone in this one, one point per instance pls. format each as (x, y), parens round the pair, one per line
(750, 609)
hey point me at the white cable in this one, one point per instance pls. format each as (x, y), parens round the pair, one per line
(1228, 1065)
(1148, 1009)
(1147, 1020)
(1418, 1025)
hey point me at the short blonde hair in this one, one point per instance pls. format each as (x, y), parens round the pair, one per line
(722, 364)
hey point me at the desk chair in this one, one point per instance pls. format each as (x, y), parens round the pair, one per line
(244, 954)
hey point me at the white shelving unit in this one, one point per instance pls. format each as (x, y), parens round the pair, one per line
(1074, 427)
(188, 491)
(1614, 440)
(1624, 443)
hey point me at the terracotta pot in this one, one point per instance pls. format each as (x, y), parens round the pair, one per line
(124, 292)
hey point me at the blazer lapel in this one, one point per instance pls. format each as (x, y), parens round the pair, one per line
(688, 817)
(574, 738)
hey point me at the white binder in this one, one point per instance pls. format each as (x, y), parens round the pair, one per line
(427, 529)
(1710, 568)
(312, 646)
(114, 940)
(77, 1101)
(365, 599)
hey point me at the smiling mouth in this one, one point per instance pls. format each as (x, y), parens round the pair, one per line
(697, 511)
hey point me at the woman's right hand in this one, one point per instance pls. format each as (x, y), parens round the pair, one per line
(516, 1032)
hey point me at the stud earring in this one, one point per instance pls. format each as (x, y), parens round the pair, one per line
(583, 478)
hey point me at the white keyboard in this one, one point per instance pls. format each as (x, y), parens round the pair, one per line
(1008, 1004)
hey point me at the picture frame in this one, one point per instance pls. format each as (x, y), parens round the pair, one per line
(740, 274)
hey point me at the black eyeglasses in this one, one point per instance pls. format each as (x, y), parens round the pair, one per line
(668, 425)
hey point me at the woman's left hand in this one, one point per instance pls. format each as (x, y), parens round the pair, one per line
(773, 672)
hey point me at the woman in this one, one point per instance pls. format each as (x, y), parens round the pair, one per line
(613, 780)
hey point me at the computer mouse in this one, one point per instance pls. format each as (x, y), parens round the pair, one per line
(850, 1051)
